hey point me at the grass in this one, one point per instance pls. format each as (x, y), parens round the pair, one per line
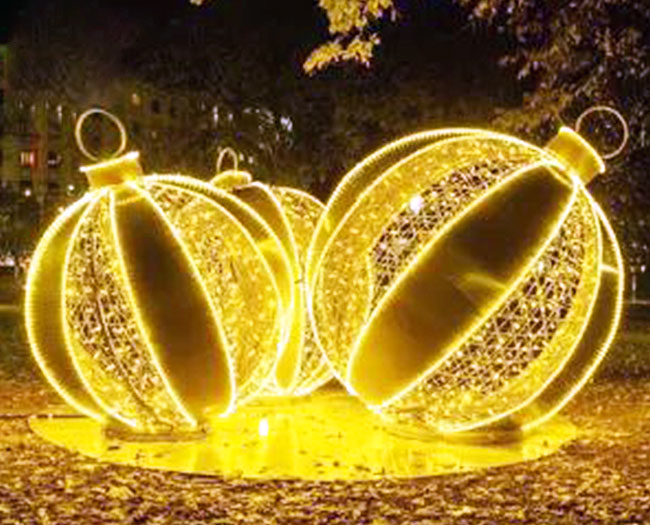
(15, 359)
(10, 288)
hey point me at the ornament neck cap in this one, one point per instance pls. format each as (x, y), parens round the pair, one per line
(226, 180)
(115, 171)
(576, 153)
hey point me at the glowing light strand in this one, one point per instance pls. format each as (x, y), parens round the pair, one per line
(527, 358)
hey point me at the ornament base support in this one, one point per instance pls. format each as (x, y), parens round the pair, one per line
(326, 436)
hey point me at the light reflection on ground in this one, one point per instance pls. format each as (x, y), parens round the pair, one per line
(326, 436)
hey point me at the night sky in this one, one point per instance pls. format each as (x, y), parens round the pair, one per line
(431, 40)
(8, 13)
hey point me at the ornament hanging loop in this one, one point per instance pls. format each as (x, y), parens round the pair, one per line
(617, 114)
(225, 152)
(79, 129)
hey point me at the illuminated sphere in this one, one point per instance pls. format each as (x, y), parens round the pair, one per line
(466, 280)
(156, 301)
(292, 214)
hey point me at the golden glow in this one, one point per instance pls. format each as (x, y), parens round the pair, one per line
(302, 212)
(230, 179)
(153, 302)
(45, 315)
(250, 321)
(115, 171)
(577, 154)
(292, 214)
(458, 280)
(327, 436)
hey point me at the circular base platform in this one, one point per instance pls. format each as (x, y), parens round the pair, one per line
(327, 436)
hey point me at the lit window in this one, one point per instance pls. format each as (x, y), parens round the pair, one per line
(215, 115)
(53, 159)
(59, 113)
(135, 99)
(28, 159)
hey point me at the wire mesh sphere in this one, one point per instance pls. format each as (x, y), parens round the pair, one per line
(293, 215)
(155, 300)
(466, 280)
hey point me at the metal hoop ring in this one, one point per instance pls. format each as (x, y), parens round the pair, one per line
(620, 118)
(79, 127)
(222, 155)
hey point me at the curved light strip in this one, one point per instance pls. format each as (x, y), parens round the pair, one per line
(209, 195)
(38, 350)
(413, 267)
(446, 138)
(113, 412)
(349, 199)
(74, 219)
(616, 316)
(306, 373)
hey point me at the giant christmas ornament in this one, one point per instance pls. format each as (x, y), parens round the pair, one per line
(155, 300)
(466, 280)
(292, 214)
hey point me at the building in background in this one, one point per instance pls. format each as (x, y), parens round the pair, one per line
(40, 156)
(176, 131)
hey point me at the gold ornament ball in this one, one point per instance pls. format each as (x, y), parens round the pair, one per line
(465, 280)
(292, 214)
(154, 301)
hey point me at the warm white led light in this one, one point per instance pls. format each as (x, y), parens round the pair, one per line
(154, 300)
(292, 214)
(460, 279)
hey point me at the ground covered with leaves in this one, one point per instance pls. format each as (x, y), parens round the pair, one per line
(601, 477)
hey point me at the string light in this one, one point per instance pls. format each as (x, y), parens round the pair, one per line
(466, 280)
(292, 214)
(153, 301)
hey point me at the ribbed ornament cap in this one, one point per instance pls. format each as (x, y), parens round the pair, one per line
(577, 154)
(115, 171)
